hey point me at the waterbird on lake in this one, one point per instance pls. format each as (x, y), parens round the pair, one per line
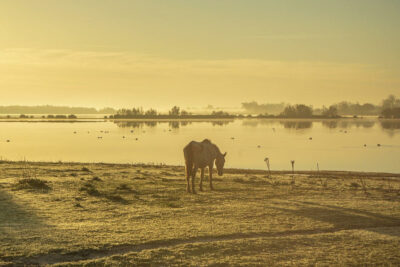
(233, 138)
(310, 138)
(131, 131)
(99, 137)
(258, 146)
(8, 141)
(123, 137)
(365, 145)
(378, 144)
(74, 132)
(136, 139)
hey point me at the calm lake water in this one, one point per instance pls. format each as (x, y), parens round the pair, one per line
(335, 144)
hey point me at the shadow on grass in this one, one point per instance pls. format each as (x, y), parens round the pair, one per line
(344, 218)
(14, 217)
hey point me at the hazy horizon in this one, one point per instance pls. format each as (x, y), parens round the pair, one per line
(158, 54)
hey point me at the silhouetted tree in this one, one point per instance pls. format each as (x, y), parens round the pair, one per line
(391, 113)
(347, 108)
(185, 113)
(390, 102)
(289, 111)
(331, 112)
(297, 111)
(175, 111)
(151, 112)
(255, 108)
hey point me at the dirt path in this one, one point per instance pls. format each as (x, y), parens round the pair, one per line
(53, 258)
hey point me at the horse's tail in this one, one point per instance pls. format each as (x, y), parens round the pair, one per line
(188, 153)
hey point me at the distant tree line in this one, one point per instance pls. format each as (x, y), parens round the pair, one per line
(391, 107)
(174, 112)
(50, 116)
(48, 109)
(269, 108)
(290, 111)
(304, 111)
(387, 108)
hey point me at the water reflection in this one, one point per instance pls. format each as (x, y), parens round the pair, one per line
(331, 124)
(174, 124)
(287, 124)
(297, 125)
(388, 125)
(171, 124)
(345, 124)
(220, 123)
(391, 127)
(247, 141)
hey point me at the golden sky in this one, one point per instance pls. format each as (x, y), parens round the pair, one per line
(158, 53)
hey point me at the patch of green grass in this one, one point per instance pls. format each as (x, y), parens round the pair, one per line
(33, 184)
(97, 179)
(286, 223)
(124, 187)
(85, 169)
(90, 189)
(116, 198)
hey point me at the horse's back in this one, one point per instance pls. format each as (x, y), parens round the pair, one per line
(199, 153)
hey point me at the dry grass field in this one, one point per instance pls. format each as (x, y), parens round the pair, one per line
(73, 214)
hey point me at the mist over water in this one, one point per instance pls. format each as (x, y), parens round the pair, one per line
(347, 144)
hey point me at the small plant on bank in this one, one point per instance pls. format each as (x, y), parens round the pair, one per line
(85, 169)
(292, 162)
(266, 160)
(32, 184)
(90, 189)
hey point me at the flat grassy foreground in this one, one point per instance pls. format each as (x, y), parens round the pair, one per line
(70, 214)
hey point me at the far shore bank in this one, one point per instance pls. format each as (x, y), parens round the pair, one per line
(200, 119)
(331, 173)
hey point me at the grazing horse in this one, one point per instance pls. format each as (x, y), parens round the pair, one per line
(201, 155)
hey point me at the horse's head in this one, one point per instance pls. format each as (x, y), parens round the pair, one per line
(219, 162)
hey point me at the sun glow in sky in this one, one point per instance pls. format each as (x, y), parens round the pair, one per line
(158, 53)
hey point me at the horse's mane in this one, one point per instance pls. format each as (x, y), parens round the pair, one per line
(217, 148)
(207, 141)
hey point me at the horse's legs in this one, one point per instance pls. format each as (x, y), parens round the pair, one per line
(188, 183)
(210, 170)
(201, 179)
(193, 176)
(189, 169)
